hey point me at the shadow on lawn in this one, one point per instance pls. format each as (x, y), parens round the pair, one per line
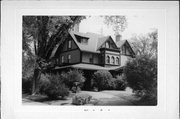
(41, 98)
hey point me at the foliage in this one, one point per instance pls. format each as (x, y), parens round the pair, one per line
(73, 78)
(120, 82)
(41, 35)
(27, 85)
(81, 99)
(146, 44)
(118, 23)
(102, 80)
(55, 87)
(141, 74)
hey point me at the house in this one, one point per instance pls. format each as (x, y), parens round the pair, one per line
(91, 52)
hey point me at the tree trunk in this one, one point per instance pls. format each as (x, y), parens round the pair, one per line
(36, 78)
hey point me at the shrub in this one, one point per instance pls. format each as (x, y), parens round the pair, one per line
(55, 87)
(81, 99)
(73, 78)
(27, 85)
(102, 80)
(120, 83)
(141, 74)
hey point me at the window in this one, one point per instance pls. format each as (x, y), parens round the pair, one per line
(69, 44)
(107, 44)
(108, 60)
(91, 58)
(123, 50)
(57, 60)
(113, 60)
(62, 59)
(69, 58)
(84, 41)
(117, 60)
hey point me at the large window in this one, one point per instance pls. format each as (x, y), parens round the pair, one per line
(69, 44)
(113, 60)
(62, 59)
(107, 59)
(69, 58)
(117, 60)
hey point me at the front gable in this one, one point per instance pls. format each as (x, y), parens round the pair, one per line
(64, 46)
(108, 43)
(126, 49)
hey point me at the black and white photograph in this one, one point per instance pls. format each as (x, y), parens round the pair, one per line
(89, 60)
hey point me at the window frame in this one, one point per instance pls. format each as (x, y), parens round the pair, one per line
(69, 58)
(69, 44)
(62, 59)
(108, 60)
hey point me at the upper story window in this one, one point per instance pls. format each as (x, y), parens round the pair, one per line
(108, 60)
(84, 41)
(69, 44)
(62, 59)
(113, 60)
(107, 44)
(91, 58)
(117, 60)
(69, 58)
(123, 50)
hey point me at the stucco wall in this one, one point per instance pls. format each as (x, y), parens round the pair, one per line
(124, 60)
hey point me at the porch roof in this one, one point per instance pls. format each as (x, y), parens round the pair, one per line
(90, 67)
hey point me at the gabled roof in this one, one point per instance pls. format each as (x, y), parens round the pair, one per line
(94, 41)
(122, 42)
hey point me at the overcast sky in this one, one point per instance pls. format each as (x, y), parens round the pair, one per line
(140, 23)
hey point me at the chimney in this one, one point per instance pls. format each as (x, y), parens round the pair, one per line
(118, 37)
(76, 27)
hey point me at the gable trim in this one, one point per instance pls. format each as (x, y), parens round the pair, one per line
(106, 41)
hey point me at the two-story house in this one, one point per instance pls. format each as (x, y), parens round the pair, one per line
(91, 52)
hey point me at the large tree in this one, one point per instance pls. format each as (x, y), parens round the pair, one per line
(41, 35)
(119, 23)
(146, 44)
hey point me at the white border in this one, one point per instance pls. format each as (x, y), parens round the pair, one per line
(11, 60)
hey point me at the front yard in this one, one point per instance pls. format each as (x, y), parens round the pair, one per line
(108, 98)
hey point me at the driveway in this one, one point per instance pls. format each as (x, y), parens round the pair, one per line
(113, 97)
(107, 98)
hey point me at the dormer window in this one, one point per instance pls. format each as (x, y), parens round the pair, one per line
(83, 40)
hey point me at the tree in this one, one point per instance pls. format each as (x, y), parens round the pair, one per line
(141, 75)
(118, 23)
(44, 33)
(146, 44)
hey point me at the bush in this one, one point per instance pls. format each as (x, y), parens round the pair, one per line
(81, 99)
(73, 78)
(141, 74)
(120, 83)
(27, 85)
(102, 80)
(55, 87)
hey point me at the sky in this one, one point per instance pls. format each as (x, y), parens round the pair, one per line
(140, 23)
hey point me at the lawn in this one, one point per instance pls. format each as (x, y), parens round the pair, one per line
(106, 97)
